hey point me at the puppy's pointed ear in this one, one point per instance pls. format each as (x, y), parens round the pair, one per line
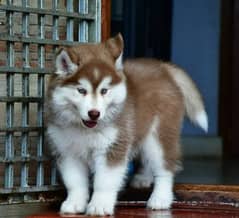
(115, 46)
(64, 64)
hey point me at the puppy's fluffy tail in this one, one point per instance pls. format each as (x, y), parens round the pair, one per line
(194, 105)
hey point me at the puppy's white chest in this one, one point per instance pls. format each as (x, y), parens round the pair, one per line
(73, 141)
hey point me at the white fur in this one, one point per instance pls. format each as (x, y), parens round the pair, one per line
(96, 73)
(202, 120)
(105, 83)
(86, 84)
(107, 182)
(143, 179)
(118, 93)
(193, 102)
(75, 176)
(119, 62)
(69, 98)
(60, 68)
(81, 150)
(152, 154)
(162, 195)
(81, 143)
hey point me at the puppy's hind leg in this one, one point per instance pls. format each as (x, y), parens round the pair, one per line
(144, 177)
(162, 195)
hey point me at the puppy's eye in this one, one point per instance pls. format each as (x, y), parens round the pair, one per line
(103, 91)
(82, 91)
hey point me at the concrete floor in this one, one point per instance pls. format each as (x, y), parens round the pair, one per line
(208, 170)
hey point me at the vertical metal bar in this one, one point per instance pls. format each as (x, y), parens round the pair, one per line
(40, 168)
(54, 37)
(25, 93)
(97, 26)
(70, 21)
(53, 173)
(9, 145)
(83, 25)
(55, 21)
(40, 93)
(94, 28)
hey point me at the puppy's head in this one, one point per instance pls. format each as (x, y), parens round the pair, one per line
(89, 86)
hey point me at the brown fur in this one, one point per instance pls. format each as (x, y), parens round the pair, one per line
(87, 56)
(152, 92)
(106, 52)
(156, 94)
(127, 133)
(87, 71)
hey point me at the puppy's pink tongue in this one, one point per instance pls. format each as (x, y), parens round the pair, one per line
(90, 123)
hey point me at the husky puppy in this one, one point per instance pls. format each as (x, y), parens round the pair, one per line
(101, 113)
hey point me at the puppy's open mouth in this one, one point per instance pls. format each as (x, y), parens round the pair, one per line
(89, 123)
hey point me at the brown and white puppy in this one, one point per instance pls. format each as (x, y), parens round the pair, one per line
(101, 113)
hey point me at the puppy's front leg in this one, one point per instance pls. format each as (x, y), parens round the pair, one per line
(75, 177)
(107, 182)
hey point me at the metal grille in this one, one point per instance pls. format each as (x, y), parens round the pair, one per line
(30, 33)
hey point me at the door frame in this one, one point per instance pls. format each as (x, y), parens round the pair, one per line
(105, 19)
(229, 78)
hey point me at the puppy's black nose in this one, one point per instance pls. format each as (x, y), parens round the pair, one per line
(93, 114)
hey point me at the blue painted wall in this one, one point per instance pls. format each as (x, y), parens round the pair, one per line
(195, 47)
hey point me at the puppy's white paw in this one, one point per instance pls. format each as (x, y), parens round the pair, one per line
(101, 205)
(73, 206)
(100, 209)
(160, 202)
(141, 181)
